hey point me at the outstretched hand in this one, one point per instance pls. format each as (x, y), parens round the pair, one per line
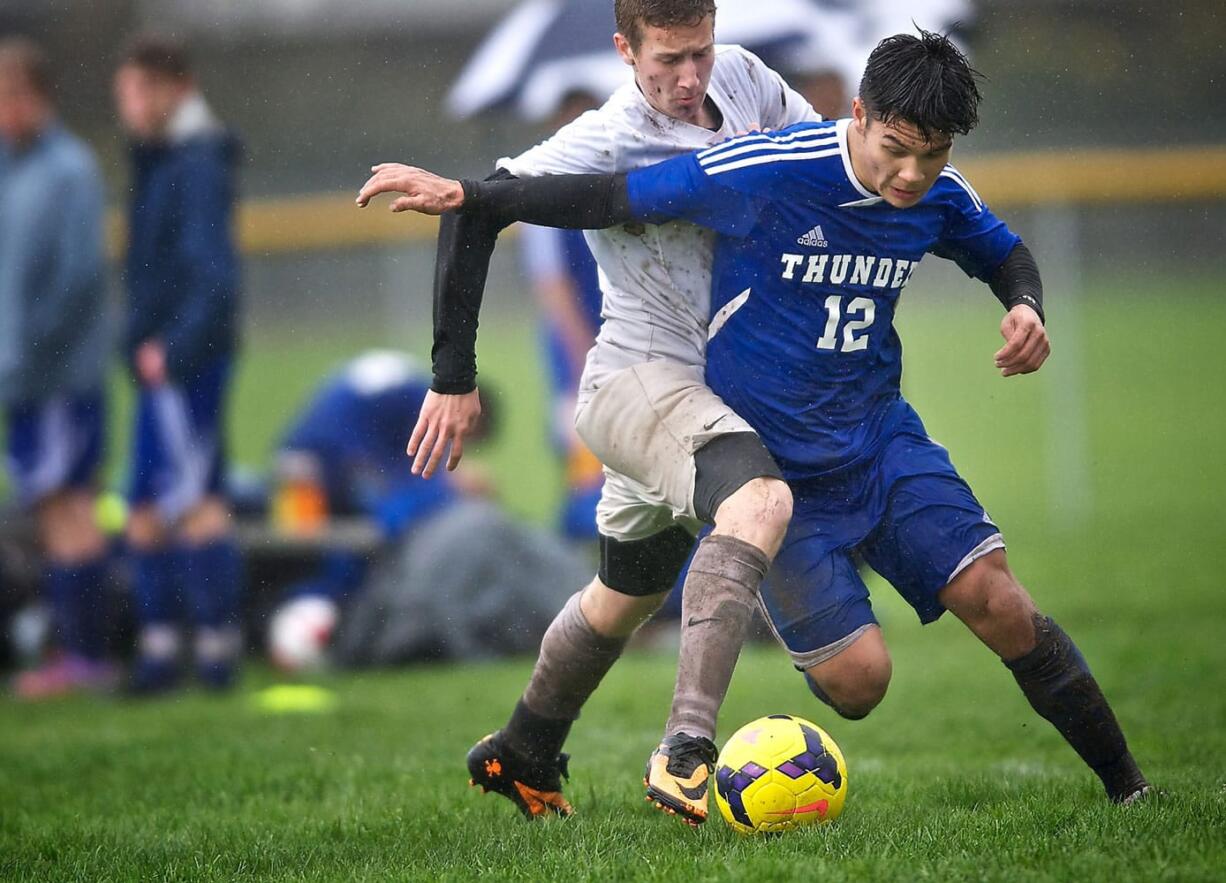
(1026, 345)
(423, 191)
(442, 424)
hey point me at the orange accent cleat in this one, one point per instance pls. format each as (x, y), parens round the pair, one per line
(678, 773)
(534, 787)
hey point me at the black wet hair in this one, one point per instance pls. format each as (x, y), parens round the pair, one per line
(158, 54)
(924, 80)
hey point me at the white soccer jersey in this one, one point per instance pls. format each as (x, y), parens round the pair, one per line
(656, 280)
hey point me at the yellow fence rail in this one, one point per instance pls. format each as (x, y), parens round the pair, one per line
(331, 220)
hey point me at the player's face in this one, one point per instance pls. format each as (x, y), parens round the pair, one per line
(673, 67)
(895, 160)
(145, 101)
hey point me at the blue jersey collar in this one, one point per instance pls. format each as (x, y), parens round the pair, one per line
(870, 198)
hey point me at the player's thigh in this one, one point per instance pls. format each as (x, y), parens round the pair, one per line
(648, 421)
(932, 530)
(628, 510)
(645, 565)
(634, 579)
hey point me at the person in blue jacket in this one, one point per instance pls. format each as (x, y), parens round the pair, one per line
(54, 347)
(182, 273)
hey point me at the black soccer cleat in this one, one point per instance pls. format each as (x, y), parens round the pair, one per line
(535, 787)
(677, 776)
(1143, 793)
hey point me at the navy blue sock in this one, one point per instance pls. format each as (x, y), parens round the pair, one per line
(78, 598)
(212, 582)
(1057, 681)
(155, 588)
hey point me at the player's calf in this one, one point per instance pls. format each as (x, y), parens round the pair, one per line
(1057, 682)
(1049, 669)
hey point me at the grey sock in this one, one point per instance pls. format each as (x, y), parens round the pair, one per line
(572, 661)
(720, 593)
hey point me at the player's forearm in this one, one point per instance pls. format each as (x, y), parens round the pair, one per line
(1016, 281)
(574, 202)
(465, 243)
(461, 266)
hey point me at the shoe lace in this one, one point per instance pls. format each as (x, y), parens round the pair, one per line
(685, 756)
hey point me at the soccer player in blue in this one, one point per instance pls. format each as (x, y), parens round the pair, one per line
(820, 227)
(183, 284)
(347, 446)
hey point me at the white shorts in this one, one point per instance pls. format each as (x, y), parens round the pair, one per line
(645, 423)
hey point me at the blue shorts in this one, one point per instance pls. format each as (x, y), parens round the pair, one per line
(55, 444)
(906, 512)
(178, 455)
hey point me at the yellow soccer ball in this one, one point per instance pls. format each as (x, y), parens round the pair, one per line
(779, 773)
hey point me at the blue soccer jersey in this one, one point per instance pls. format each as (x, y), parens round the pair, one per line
(807, 275)
(357, 425)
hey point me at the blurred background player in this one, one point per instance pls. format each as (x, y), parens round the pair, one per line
(54, 345)
(183, 290)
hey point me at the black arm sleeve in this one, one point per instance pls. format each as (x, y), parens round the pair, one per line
(466, 240)
(574, 202)
(1016, 281)
(465, 243)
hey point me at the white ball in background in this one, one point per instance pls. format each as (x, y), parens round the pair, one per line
(300, 632)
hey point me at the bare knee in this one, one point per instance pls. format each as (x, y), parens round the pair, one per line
(208, 521)
(615, 614)
(146, 530)
(758, 512)
(69, 528)
(855, 681)
(987, 597)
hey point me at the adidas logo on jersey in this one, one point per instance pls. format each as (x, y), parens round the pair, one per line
(815, 238)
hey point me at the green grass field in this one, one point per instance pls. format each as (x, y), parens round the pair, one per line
(951, 778)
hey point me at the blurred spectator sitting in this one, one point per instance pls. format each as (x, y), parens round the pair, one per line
(54, 345)
(183, 289)
(562, 273)
(344, 455)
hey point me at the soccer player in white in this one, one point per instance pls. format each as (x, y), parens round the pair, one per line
(675, 455)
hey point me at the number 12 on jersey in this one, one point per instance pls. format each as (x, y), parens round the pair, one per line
(863, 307)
